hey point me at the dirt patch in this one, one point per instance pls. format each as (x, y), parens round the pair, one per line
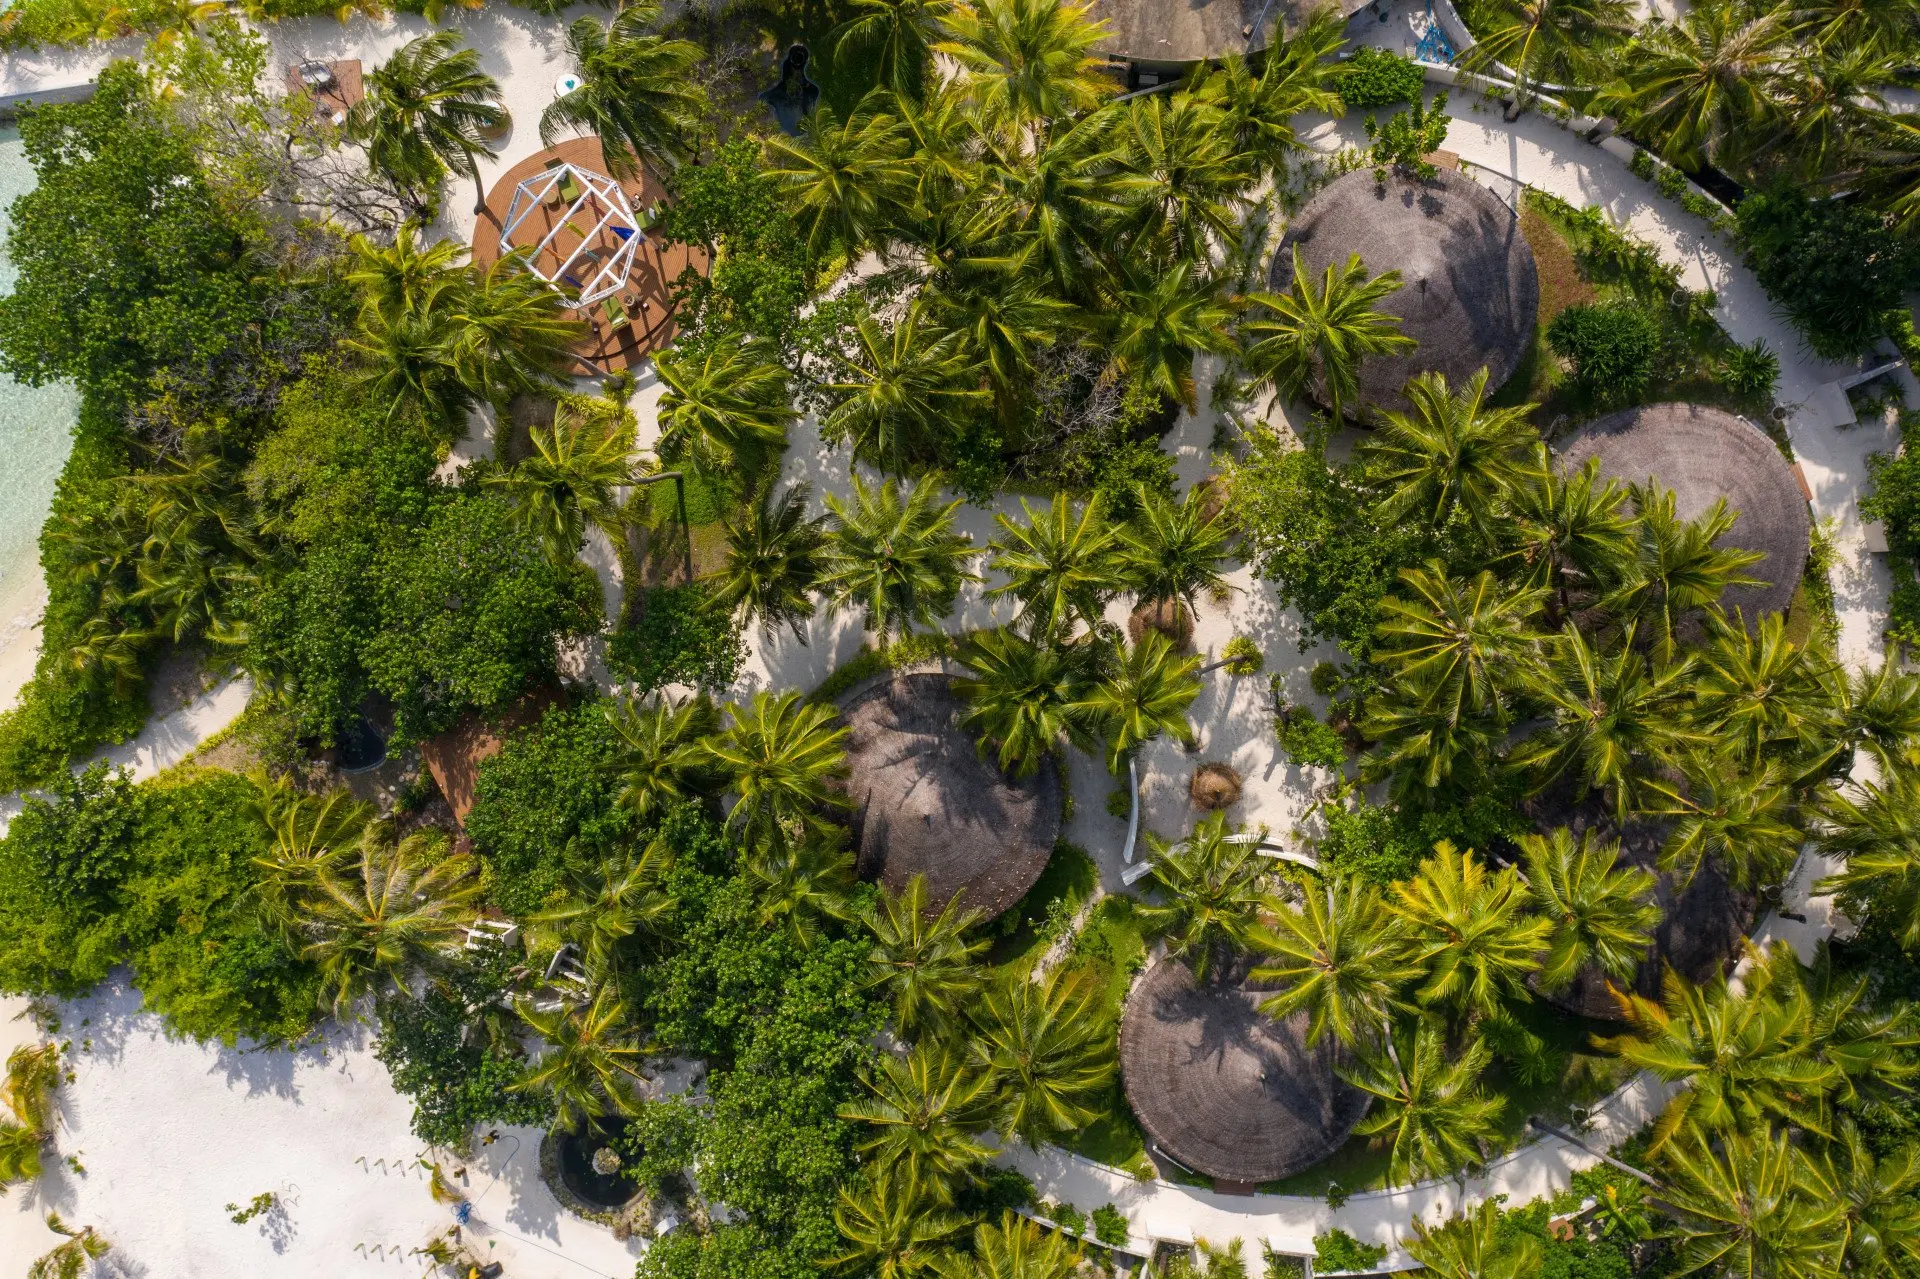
(1561, 284)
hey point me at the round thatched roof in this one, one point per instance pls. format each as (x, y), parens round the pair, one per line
(925, 802)
(1224, 1090)
(1154, 31)
(1469, 289)
(1703, 454)
(1700, 929)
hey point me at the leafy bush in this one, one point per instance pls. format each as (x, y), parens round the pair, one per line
(1376, 78)
(1110, 1226)
(1670, 182)
(543, 808)
(1368, 839)
(661, 1141)
(1065, 1216)
(62, 862)
(679, 639)
(471, 608)
(1309, 740)
(1408, 137)
(1833, 268)
(1613, 347)
(1751, 370)
(1338, 1250)
(458, 1079)
(1643, 165)
(761, 281)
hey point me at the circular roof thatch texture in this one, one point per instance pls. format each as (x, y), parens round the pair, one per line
(1156, 31)
(1469, 289)
(1703, 454)
(1700, 929)
(925, 802)
(1225, 1090)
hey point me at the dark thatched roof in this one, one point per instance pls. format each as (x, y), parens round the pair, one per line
(1469, 289)
(1224, 1090)
(1700, 929)
(1703, 454)
(1183, 31)
(925, 802)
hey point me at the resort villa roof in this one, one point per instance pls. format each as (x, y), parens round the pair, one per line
(1184, 31)
(1469, 288)
(926, 803)
(1703, 454)
(1701, 927)
(1225, 1090)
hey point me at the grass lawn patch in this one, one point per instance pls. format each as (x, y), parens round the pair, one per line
(1112, 946)
(1041, 917)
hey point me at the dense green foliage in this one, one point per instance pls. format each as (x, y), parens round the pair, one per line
(680, 638)
(1613, 347)
(1834, 267)
(1377, 78)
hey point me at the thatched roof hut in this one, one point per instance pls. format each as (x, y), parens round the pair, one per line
(1469, 289)
(1700, 930)
(1223, 1089)
(1703, 454)
(925, 802)
(1162, 34)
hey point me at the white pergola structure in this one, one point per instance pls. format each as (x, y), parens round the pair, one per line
(574, 229)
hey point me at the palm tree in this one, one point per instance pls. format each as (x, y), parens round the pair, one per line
(1700, 88)
(1426, 741)
(1021, 697)
(21, 1152)
(1724, 812)
(396, 903)
(1740, 1206)
(1874, 828)
(1160, 319)
(409, 361)
(900, 560)
(1881, 712)
(1050, 1050)
(570, 481)
(1061, 566)
(1210, 891)
(1616, 718)
(1430, 1114)
(626, 896)
(1145, 692)
(33, 1073)
(661, 759)
(922, 961)
(1027, 63)
(1602, 914)
(592, 1060)
(848, 179)
(1173, 550)
(1677, 569)
(900, 392)
(1058, 198)
(1473, 1246)
(1181, 174)
(996, 325)
(1015, 1248)
(922, 1112)
(636, 92)
(72, 1259)
(893, 1225)
(774, 555)
(428, 109)
(898, 35)
(1451, 453)
(1745, 1057)
(1569, 532)
(1297, 77)
(1315, 337)
(1463, 641)
(406, 276)
(1341, 956)
(308, 831)
(513, 334)
(781, 757)
(1880, 1218)
(1759, 693)
(1867, 1040)
(1470, 929)
(1550, 40)
(727, 409)
(802, 881)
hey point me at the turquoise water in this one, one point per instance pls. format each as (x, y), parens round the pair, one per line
(35, 436)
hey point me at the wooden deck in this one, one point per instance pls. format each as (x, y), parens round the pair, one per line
(646, 297)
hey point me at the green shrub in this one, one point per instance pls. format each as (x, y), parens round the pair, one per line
(1752, 370)
(1120, 803)
(1110, 1226)
(1326, 678)
(1643, 165)
(1338, 1250)
(1703, 206)
(1834, 268)
(1309, 740)
(1376, 78)
(543, 808)
(62, 864)
(1408, 137)
(1613, 346)
(679, 639)
(1670, 183)
(1064, 1215)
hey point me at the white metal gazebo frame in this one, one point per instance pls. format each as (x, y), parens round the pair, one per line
(604, 201)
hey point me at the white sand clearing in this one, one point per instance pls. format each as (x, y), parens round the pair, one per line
(169, 1133)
